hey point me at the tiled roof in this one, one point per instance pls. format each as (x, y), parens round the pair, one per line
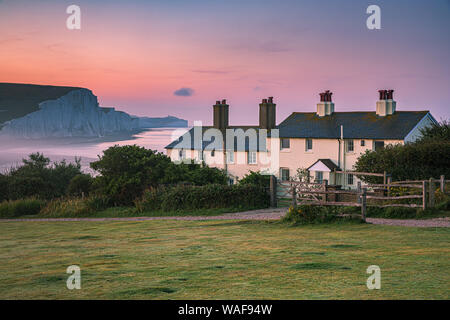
(328, 163)
(357, 125)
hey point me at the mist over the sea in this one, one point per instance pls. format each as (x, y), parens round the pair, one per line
(13, 150)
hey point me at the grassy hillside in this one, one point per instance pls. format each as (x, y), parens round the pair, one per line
(17, 100)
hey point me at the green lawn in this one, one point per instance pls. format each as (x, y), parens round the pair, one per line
(221, 260)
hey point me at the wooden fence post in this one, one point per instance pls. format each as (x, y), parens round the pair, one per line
(324, 188)
(384, 177)
(294, 195)
(389, 181)
(431, 188)
(273, 191)
(363, 204)
(424, 195)
(358, 189)
(442, 183)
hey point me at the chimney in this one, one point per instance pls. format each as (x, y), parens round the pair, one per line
(325, 107)
(220, 114)
(386, 105)
(267, 114)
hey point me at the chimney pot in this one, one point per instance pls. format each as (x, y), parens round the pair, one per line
(325, 107)
(270, 99)
(224, 101)
(390, 94)
(386, 105)
(218, 102)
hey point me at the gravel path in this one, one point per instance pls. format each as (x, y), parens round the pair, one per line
(436, 222)
(263, 214)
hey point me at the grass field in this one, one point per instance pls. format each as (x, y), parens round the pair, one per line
(221, 260)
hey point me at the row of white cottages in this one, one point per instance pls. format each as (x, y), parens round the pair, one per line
(322, 141)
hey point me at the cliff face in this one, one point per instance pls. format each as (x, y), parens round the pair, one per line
(77, 114)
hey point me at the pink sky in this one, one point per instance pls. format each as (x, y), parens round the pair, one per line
(134, 55)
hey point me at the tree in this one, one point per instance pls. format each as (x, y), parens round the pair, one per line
(126, 171)
(38, 178)
(436, 132)
(413, 161)
(79, 185)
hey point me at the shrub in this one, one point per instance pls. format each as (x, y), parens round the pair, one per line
(151, 200)
(256, 178)
(126, 171)
(36, 177)
(3, 187)
(17, 208)
(203, 197)
(79, 185)
(309, 214)
(73, 207)
(392, 212)
(97, 202)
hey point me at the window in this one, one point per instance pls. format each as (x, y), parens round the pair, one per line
(319, 177)
(379, 145)
(213, 152)
(350, 145)
(285, 144)
(309, 144)
(284, 173)
(182, 154)
(230, 181)
(230, 156)
(350, 179)
(251, 157)
(363, 143)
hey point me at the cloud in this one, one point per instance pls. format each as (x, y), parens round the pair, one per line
(184, 92)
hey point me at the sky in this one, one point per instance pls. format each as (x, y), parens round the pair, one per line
(177, 57)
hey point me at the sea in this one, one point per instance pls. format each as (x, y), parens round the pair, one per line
(12, 151)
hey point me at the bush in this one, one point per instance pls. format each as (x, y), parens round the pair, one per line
(75, 207)
(79, 185)
(126, 171)
(394, 212)
(256, 178)
(309, 214)
(17, 208)
(36, 177)
(3, 187)
(66, 207)
(203, 197)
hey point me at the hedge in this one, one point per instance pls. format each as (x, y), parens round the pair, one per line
(203, 197)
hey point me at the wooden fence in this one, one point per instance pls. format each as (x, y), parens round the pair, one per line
(324, 194)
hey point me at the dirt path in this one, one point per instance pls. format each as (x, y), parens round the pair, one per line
(263, 214)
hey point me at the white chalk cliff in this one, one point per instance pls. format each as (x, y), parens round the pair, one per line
(78, 114)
